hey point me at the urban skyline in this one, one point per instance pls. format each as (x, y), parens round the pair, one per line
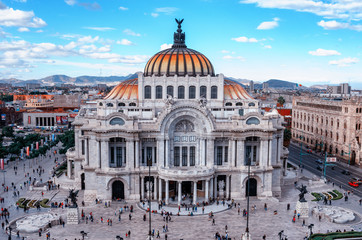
(308, 42)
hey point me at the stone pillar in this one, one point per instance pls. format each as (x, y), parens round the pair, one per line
(210, 152)
(137, 160)
(202, 152)
(261, 153)
(167, 157)
(86, 155)
(160, 189)
(240, 157)
(142, 188)
(207, 190)
(155, 188)
(167, 191)
(230, 153)
(130, 154)
(99, 150)
(69, 168)
(160, 153)
(227, 186)
(195, 193)
(179, 193)
(270, 152)
(215, 187)
(105, 153)
(211, 187)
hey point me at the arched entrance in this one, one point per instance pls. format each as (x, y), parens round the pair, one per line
(253, 187)
(82, 178)
(353, 158)
(117, 190)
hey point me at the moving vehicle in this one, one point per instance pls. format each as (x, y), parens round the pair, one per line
(319, 161)
(346, 172)
(319, 167)
(353, 183)
(356, 179)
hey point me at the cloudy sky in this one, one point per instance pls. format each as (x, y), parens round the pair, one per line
(304, 41)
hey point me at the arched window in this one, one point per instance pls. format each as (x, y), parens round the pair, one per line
(121, 104)
(147, 92)
(241, 112)
(192, 92)
(158, 92)
(181, 92)
(214, 92)
(203, 91)
(251, 104)
(116, 121)
(253, 120)
(170, 90)
(228, 104)
(241, 104)
(132, 104)
(109, 104)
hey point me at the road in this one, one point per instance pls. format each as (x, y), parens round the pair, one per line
(335, 176)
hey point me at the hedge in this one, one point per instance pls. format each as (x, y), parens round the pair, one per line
(44, 202)
(339, 195)
(317, 196)
(335, 235)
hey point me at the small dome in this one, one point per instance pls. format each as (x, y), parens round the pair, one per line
(179, 60)
(233, 90)
(126, 90)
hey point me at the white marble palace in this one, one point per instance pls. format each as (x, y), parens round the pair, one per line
(195, 130)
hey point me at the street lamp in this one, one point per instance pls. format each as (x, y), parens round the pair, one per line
(149, 162)
(301, 151)
(247, 234)
(10, 233)
(349, 154)
(282, 236)
(310, 227)
(83, 234)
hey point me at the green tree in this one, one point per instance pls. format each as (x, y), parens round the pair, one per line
(281, 101)
(8, 131)
(287, 137)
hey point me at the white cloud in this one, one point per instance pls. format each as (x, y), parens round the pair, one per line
(234, 57)
(123, 8)
(245, 39)
(324, 52)
(343, 9)
(39, 31)
(334, 25)
(155, 14)
(17, 18)
(125, 42)
(131, 33)
(268, 25)
(225, 51)
(22, 1)
(23, 29)
(70, 2)
(102, 29)
(165, 46)
(267, 46)
(166, 10)
(344, 62)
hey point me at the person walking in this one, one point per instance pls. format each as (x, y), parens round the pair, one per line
(265, 206)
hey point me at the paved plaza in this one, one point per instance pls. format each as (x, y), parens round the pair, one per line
(269, 222)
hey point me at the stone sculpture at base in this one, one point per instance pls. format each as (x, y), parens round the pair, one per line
(72, 216)
(302, 207)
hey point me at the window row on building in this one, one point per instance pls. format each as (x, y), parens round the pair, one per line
(180, 94)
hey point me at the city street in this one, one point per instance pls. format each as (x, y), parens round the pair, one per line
(335, 176)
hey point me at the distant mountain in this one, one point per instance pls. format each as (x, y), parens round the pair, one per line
(275, 83)
(57, 80)
(319, 86)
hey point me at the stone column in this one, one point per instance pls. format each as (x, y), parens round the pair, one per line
(98, 152)
(227, 186)
(86, 155)
(210, 152)
(215, 187)
(211, 188)
(167, 191)
(207, 190)
(261, 153)
(137, 154)
(195, 193)
(155, 188)
(105, 153)
(179, 193)
(230, 153)
(69, 168)
(167, 157)
(240, 157)
(270, 152)
(160, 189)
(202, 152)
(160, 153)
(142, 188)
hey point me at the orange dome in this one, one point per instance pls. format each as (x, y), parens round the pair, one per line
(126, 90)
(180, 61)
(233, 90)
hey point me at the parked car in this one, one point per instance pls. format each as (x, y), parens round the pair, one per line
(353, 183)
(319, 167)
(346, 172)
(356, 179)
(319, 161)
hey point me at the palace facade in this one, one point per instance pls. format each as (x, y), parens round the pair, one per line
(194, 130)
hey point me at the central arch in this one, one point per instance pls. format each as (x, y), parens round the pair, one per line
(252, 183)
(117, 190)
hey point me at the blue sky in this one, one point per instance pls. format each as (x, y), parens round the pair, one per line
(305, 41)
